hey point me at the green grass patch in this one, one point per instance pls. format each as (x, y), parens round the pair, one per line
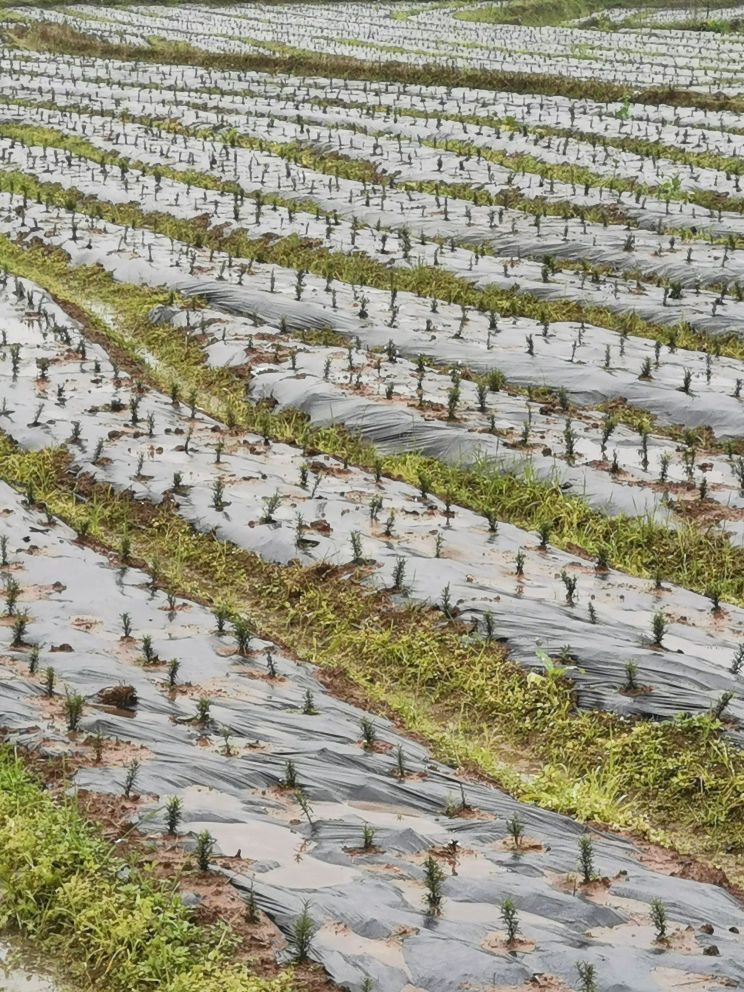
(63, 888)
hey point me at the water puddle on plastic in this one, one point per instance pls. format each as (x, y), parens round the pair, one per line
(21, 972)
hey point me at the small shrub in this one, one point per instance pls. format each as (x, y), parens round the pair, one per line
(203, 850)
(586, 858)
(659, 918)
(515, 827)
(510, 919)
(73, 708)
(301, 935)
(433, 880)
(173, 814)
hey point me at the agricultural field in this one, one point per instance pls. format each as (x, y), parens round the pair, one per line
(372, 497)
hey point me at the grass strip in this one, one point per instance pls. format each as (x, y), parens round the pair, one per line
(63, 887)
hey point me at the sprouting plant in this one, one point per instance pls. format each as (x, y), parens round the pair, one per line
(721, 704)
(658, 627)
(271, 505)
(434, 881)
(242, 630)
(126, 625)
(218, 493)
(251, 908)
(519, 563)
(515, 827)
(399, 574)
(631, 676)
(357, 553)
(543, 531)
(33, 659)
(400, 763)
(131, 777)
(586, 858)
(49, 680)
(570, 582)
(125, 546)
(270, 663)
(686, 381)
(97, 744)
(172, 673)
(737, 663)
(510, 919)
(368, 837)
(587, 977)
(173, 813)
(369, 734)
(3, 550)
(658, 917)
(308, 706)
(203, 849)
(301, 934)
(290, 775)
(446, 602)
(202, 710)
(73, 709)
(714, 595)
(12, 592)
(148, 651)
(227, 749)
(20, 623)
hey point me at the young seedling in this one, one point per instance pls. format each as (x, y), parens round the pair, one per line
(33, 659)
(173, 814)
(587, 977)
(73, 708)
(49, 680)
(586, 858)
(399, 574)
(368, 837)
(290, 775)
(149, 653)
(369, 734)
(400, 763)
(203, 850)
(301, 935)
(131, 777)
(12, 592)
(519, 563)
(172, 675)
(738, 661)
(631, 676)
(721, 704)
(270, 664)
(20, 625)
(202, 711)
(658, 628)
(659, 918)
(308, 707)
(251, 907)
(543, 531)
(97, 745)
(227, 749)
(242, 630)
(433, 880)
(515, 827)
(570, 582)
(510, 919)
